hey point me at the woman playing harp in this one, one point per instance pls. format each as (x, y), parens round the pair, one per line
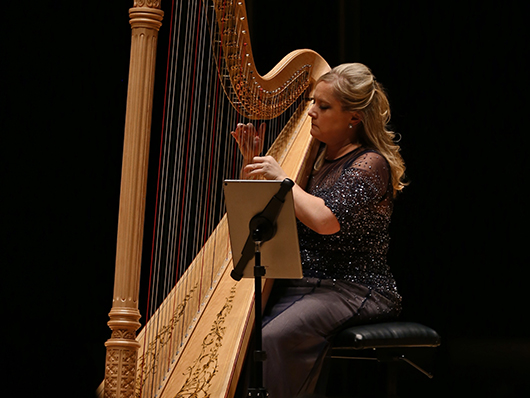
(343, 216)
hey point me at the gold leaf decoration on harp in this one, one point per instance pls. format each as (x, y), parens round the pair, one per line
(194, 341)
(253, 95)
(200, 374)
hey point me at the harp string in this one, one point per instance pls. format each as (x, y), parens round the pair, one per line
(197, 153)
(166, 223)
(148, 365)
(176, 175)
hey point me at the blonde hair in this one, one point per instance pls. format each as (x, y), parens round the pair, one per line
(355, 87)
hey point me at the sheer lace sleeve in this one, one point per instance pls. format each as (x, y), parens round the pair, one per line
(358, 183)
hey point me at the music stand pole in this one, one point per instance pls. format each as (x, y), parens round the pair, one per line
(259, 355)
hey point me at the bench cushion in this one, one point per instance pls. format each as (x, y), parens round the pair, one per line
(386, 335)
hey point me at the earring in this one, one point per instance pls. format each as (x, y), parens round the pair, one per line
(350, 126)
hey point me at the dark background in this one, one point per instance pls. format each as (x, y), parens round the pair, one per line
(457, 79)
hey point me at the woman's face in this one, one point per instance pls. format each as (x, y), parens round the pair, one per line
(330, 124)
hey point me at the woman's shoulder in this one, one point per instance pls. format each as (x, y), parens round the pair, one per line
(367, 159)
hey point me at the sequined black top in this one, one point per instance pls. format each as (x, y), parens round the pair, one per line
(358, 190)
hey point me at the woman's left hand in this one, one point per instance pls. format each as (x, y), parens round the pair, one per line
(265, 166)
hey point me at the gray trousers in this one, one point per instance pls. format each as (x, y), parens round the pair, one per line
(301, 319)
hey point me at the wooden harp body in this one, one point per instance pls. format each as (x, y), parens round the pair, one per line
(194, 344)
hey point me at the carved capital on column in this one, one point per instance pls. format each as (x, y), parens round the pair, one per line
(146, 16)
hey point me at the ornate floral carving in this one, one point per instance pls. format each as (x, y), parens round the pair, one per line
(203, 370)
(148, 361)
(147, 3)
(125, 334)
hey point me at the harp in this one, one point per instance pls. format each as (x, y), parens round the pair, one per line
(195, 337)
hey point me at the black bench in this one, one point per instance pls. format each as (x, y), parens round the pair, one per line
(388, 342)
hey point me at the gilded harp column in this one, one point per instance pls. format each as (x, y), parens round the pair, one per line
(122, 347)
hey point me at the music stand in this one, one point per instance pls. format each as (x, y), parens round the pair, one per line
(262, 226)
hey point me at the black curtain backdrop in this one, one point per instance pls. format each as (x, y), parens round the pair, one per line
(456, 76)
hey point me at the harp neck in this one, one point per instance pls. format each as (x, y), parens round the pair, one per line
(253, 95)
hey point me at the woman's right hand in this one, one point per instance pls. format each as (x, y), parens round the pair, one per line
(310, 210)
(249, 139)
